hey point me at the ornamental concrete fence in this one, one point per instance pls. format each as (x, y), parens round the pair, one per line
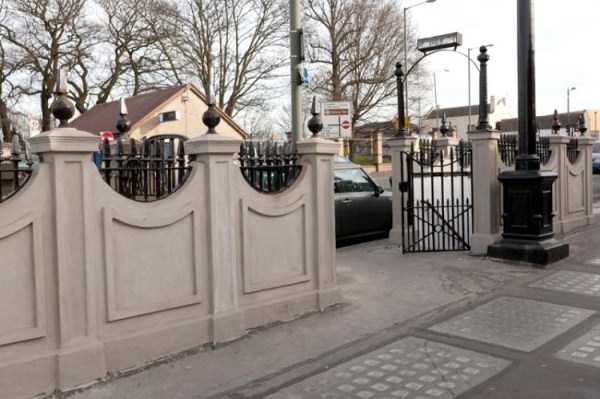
(94, 282)
(569, 157)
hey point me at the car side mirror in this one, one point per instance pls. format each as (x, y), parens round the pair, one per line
(379, 190)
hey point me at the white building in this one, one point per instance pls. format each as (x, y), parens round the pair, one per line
(458, 117)
(545, 122)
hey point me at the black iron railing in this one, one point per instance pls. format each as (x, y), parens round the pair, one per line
(573, 150)
(269, 167)
(15, 169)
(428, 152)
(508, 147)
(464, 153)
(147, 171)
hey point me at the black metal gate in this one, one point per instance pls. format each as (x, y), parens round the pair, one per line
(436, 191)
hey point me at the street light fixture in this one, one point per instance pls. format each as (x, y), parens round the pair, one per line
(435, 97)
(406, 48)
(569, 90)
(469, 62)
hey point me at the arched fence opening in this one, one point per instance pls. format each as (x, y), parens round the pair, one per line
(15, 168)
(146, 171)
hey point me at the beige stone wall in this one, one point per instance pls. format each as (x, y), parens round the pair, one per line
(94, 282)
(190, 108)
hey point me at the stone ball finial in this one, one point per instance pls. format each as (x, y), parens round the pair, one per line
(62, 108)
(211, 117)
(315, 124)
(123, 123)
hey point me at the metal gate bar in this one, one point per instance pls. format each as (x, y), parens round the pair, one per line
(436, 196)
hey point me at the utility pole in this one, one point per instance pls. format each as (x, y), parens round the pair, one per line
(296, 59)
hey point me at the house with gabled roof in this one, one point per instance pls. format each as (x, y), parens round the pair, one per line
(173, 110)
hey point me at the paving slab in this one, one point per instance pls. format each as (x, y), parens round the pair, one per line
(584, 350)
(570, 281)
(411, 368)
(514, 323)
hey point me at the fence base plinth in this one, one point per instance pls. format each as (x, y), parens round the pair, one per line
(539, 253)
(328, 298)
(481, 242)
(227, 327)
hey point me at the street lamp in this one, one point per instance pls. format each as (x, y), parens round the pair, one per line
(406, 47)
(569, 90)
(435, 97)
(469, 62)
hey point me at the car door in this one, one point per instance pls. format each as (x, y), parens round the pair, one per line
(357, 200)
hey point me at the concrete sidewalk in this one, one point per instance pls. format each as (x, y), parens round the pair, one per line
(383, 291)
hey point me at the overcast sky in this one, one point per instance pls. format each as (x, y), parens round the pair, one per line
(567, 49)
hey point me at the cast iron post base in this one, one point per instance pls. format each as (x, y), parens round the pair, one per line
(537, 252)
(528, 229)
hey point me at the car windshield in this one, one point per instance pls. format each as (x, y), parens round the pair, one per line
(352, 181)
(596, 147)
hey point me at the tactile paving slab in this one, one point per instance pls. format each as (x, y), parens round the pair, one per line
(514, 323)
(584, 350)
(575, 282)
(411, 368)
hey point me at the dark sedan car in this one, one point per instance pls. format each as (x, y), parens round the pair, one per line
(362, 208)
(596, 157)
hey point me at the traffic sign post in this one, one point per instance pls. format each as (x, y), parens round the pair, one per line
(337, 119)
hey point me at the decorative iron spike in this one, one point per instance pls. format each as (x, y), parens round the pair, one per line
(120, 149)
(62, 108)
(315, 124)
(132, 148)
(146, 147)
(211, 117)
(123, 123)
(242, 148)
(444, 127)
(181, 150)
(556, 123)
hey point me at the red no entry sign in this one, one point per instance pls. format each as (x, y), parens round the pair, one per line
(346, 125)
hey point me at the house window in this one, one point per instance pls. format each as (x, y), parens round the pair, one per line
(168, 116)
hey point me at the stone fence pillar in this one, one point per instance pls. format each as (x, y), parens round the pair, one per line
(486, 190)
(398, 145)
(216, 153)
(558, 149)
(585, 145)
(68, 152)
(444, 144)
(318, 154)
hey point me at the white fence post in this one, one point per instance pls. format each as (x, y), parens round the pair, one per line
(486, 191)
(216, 153)
(398, 145)
(318, 155)
(69, 154)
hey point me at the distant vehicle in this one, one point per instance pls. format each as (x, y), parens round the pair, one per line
(362, 208)
(596, 157)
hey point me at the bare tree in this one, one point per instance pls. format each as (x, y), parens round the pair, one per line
(10, 66)
(232, 46)
(47, 33)
(355, 47)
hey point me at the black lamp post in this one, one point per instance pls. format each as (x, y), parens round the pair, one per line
(402, 131)
(528, 230)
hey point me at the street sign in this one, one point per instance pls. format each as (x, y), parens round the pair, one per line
(337, 119)
(449, 40)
